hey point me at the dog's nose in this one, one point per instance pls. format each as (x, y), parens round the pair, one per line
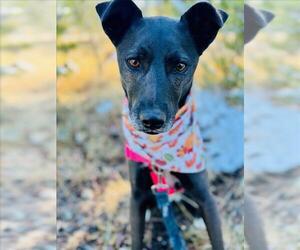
(153, 119)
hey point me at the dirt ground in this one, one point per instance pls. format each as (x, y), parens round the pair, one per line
(93, 191)
(93, 188)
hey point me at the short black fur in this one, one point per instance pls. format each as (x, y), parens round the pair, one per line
(116, 17)
(157, 58)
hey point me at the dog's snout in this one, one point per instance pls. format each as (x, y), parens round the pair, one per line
(152, 119)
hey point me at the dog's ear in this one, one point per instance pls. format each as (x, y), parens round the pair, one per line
(204, 22)
(268, 16)
(254, 21)
(117, 16)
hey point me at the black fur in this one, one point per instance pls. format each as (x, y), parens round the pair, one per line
(156, 89)
(204, 22)
(116, 17)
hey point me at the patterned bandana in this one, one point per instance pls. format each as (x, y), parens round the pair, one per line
(179, 150)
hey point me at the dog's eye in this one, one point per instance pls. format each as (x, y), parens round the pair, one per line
(180, 67)
(135, 63)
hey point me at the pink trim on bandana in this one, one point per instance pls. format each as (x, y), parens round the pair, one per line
(131, 155)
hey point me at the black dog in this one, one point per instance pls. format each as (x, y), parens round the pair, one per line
(157, 59)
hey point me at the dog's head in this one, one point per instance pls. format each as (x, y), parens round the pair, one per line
(157, 57)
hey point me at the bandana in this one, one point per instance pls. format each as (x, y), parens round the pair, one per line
(180, 149)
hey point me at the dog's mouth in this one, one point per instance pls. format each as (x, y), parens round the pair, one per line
(138, 125)
(141, 128)
(151, 132)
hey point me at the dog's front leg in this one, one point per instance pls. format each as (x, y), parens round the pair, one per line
(137, 221)
(197, 186)
(212, 221)
(141, 198)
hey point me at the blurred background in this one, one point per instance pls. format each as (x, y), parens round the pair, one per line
(256, 88)
(272, 123)
(93, 187)
(28, 125)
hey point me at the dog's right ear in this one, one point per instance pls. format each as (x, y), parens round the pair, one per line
(117, 16)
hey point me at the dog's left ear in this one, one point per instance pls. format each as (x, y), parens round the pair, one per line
(117, 16)
(204, 22)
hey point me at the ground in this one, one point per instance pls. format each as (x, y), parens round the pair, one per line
(93, 189)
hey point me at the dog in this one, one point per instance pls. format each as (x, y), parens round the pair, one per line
(157, 58)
